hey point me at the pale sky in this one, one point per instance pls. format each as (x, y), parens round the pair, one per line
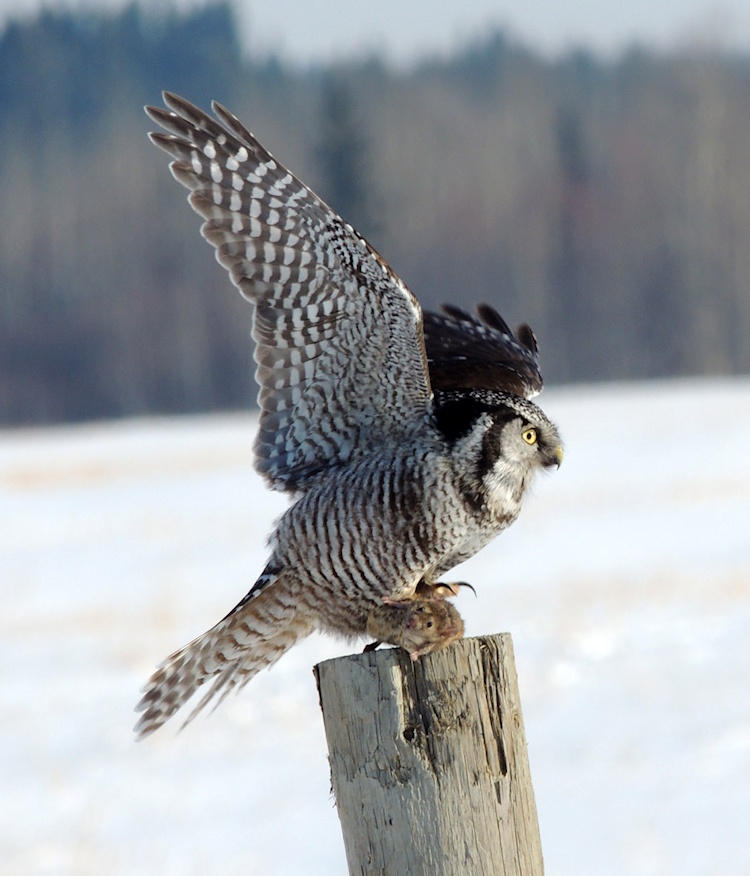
(406, 30)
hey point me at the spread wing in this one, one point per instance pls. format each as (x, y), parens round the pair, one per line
(340, 349)
(480, 352)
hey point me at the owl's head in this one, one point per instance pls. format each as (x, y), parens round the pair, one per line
(521, 434)
(520, 440)
(503, 439)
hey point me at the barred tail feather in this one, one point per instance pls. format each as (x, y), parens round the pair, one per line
(253, 636)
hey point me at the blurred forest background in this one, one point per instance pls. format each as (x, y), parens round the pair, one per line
(607, 203)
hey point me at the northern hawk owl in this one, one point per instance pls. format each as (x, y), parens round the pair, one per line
(406, 440)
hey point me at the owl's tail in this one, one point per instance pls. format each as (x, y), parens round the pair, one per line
(265, 624)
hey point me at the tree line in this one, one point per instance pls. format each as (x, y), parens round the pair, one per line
(606, 203)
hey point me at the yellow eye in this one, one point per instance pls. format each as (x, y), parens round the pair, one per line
(529, 436)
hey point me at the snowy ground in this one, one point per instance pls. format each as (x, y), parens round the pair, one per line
(626, 586)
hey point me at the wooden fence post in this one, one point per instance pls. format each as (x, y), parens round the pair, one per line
(428, 762)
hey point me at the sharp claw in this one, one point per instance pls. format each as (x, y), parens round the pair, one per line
(466, 584)
(444, 589)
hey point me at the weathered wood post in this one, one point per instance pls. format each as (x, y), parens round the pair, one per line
(428, 762)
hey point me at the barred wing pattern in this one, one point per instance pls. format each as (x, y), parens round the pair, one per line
(340, 349)
(480, 352)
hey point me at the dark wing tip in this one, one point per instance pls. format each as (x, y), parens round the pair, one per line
(492, 318)
(158, 114)
(480, 352)
(457, 313)
(526, 337)
(181, 106)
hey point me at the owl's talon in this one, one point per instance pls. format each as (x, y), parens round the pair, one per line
(464, 584)
(441, 589)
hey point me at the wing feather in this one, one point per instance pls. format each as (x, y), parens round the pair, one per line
(340, 348)
(480, 352)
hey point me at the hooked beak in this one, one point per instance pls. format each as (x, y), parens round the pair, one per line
(555, 458)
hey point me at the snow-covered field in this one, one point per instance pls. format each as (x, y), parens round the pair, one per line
(625, 584)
